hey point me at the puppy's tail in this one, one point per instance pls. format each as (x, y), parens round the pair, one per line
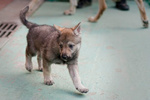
(23, 17)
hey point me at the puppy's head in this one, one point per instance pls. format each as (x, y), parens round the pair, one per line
(69, 42)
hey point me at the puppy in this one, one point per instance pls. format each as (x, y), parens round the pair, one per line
(102, 8)
(53, 44)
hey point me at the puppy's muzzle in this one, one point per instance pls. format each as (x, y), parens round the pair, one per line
(64, 57)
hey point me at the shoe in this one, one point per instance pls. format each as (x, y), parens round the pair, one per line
(83, 3)
(80, 4)
(122, 6)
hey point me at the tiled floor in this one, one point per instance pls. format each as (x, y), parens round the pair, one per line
(114, 59)
(10, 14)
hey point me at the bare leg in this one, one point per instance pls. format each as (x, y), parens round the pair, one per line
(102, 7)
(72, 9)
(142, 12)
(28, 63)
(39, 59)
(74, 73)
(47, 73)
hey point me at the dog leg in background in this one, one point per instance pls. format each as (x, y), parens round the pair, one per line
(102, 7)
(142, 12)
(39, 60)
(74, 73)
(47, 73)
(72, 9)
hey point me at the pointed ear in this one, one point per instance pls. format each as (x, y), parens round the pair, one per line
(76, 29)
(58, 27)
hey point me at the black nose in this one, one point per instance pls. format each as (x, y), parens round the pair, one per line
(64, 56)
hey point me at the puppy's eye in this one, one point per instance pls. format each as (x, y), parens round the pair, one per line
(71, 46)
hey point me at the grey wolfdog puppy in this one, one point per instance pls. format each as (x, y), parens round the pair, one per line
(53, 44)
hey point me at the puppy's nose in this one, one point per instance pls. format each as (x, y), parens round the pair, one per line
(64, 56)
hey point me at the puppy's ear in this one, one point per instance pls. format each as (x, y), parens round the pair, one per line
(58, 27)
(76, 29)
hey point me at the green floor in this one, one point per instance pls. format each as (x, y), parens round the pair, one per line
(114, 59)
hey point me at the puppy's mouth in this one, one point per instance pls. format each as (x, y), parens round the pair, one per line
(65, 58)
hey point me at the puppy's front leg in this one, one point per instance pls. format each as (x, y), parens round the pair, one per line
(46, 72)
(74, 73)
(28, 63)
(39, 60)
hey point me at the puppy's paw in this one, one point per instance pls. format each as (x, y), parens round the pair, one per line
(92, 19)
(83, 90)
(48, 82)
(40, 69)
(28, 67)
(69, 12)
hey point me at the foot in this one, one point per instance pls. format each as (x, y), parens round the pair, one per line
(28, 67)
(40, 69)
(48, 82)
(83, 90)
(122, 6)
(145, 24)
(92, 19)
(69, 12)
